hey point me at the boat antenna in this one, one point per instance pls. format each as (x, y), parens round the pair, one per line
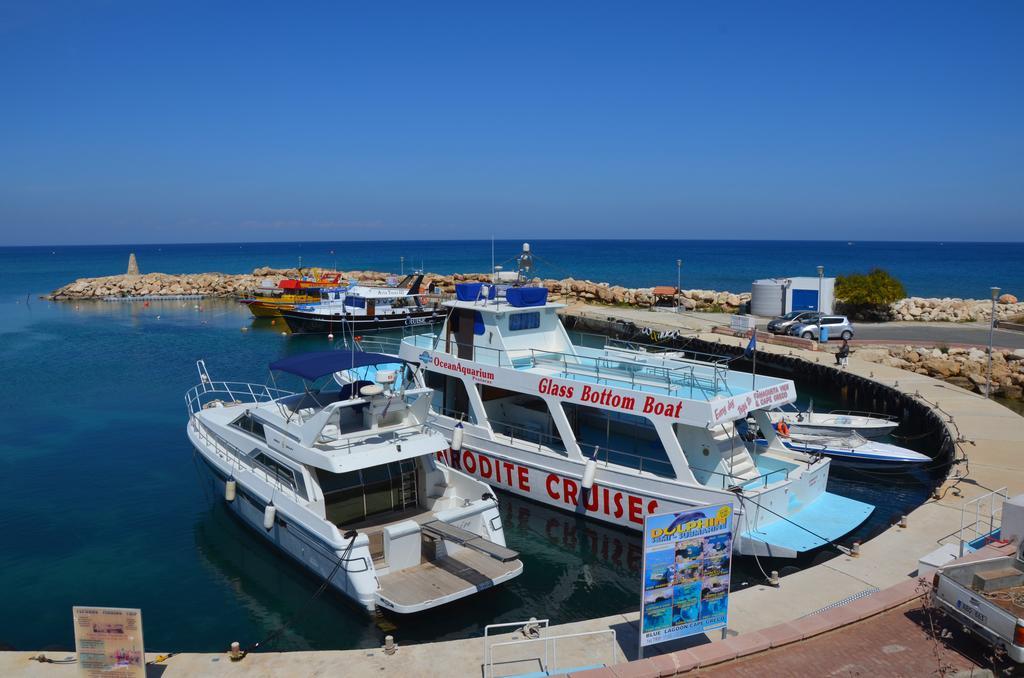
(492, 256)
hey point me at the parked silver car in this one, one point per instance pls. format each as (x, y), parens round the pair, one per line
(783, 323)
(839, 327)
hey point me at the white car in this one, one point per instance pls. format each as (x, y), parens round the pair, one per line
(838, 326)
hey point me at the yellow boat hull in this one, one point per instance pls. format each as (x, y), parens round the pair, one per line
(271, 308)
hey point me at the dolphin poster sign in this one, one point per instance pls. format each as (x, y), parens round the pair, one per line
(687, 556)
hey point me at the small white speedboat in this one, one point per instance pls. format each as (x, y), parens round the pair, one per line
(852, 447)
(836, 423)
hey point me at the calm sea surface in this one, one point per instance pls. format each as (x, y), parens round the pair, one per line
(102, 504)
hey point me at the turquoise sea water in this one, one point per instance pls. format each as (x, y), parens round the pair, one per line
(102, 504)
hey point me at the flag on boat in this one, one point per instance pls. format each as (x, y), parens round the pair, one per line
(751, 346)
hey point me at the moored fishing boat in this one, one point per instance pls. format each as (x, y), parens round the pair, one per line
(366, 308)
(618, 432)
(269, 302)
(342, 477)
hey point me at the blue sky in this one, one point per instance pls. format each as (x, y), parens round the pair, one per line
(215, 121)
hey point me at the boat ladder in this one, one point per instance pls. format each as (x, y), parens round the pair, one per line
(408, 487)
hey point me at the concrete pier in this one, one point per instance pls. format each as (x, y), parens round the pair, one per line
(991, 437)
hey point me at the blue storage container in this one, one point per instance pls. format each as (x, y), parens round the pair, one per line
(822, 334)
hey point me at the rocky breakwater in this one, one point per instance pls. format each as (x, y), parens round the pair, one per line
(963, 367)
(956, 310)
(170, 285)
(228, 285)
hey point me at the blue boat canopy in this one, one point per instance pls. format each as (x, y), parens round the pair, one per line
(526, 296)
(320, 363)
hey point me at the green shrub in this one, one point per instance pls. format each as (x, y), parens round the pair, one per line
(868, 297)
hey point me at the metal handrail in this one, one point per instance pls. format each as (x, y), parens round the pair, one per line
(606, 452)
(862, 413)
(235, 457)
(237, 391)
(550, 662)
(991, 498)
(539, 436)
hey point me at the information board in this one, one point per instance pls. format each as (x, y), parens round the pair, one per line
(109, 642)
(687, 558)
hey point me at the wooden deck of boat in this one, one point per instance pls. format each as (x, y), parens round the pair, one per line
(444, 577)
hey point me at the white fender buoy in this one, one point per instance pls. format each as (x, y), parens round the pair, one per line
(330, 337)
(229, 490)
(269, 514)
(457, 435)
(589, 471)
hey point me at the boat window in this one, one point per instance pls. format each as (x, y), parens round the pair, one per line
(278, 471)
(354, 496)
(524, 321)
(521, 417)
(450, 396)
(250, 426)
(619, 438)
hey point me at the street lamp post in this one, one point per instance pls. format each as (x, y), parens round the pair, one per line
(679, 283)
(821, 273)
(991, 330)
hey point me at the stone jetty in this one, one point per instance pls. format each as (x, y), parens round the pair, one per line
(240, 285)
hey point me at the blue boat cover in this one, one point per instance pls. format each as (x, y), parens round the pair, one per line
(320, 363)
(471, 291)
(526, 296)
(824, 520)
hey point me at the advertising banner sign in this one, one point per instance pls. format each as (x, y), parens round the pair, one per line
(687, 557)
(109, 642)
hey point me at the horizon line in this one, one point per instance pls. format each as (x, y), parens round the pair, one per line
(523, 239)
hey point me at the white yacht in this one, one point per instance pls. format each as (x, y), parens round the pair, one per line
(617, 432)
(342, 477)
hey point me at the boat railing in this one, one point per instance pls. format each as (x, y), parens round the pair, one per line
(209, 393)
(600, 453)
(862, 413)
(612, 370)
(239, 460)
(524, 434)
(728, 480)
(355, 439)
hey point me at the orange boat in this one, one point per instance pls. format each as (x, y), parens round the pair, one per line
(269, 303)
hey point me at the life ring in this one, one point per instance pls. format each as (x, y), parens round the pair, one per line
(783, 428)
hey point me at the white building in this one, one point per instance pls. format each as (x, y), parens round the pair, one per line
(776, 296)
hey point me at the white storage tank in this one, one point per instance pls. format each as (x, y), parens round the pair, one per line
(776, 296)
(768, 297)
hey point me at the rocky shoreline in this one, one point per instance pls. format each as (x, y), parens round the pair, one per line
(956, 310)
(963, 367)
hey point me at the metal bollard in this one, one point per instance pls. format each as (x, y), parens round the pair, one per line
(389, 645)
(855, 549)
(773, 578)
(236, 651)
(903, 521)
